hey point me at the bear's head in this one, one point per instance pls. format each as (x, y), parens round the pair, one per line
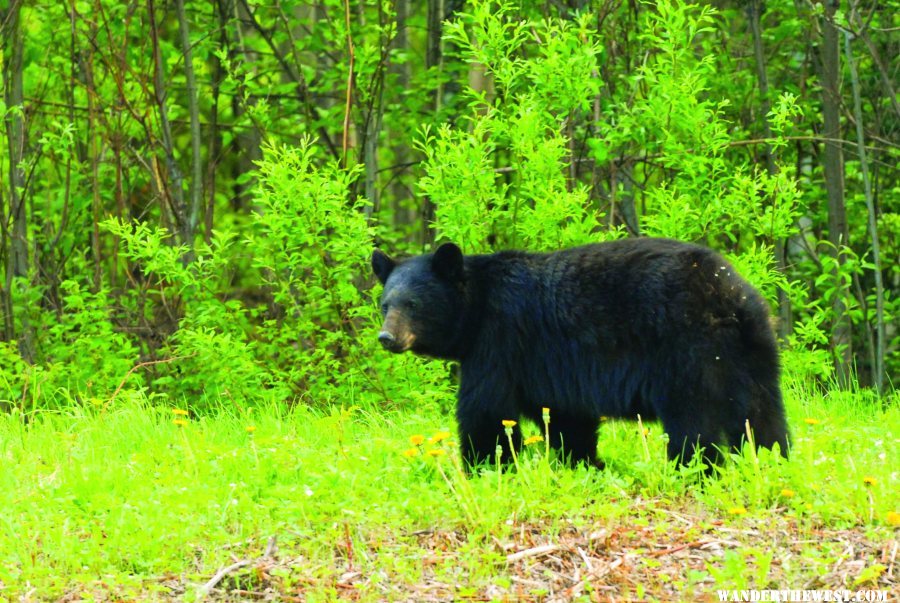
(422, 302)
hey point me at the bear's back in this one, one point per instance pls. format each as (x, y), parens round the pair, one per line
(606, 293)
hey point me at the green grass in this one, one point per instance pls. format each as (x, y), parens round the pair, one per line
(121, 502)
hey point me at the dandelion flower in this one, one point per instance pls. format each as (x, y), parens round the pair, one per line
(180, 412)
(893, 518)
(737, 511)
(250, 428)
(787, 493)
(509, 423)
(533, 440)
(180, 422)
(811, 421)
(411, 452)
(416, 440)
(437, 452)
(545, 412)
(869, 480)
(439, 437)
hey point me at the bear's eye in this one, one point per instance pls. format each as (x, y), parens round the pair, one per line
(384, 309)
(412, 304)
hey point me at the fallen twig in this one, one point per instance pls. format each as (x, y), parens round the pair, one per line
(532, 552)
(207, 588)
(222, 573)
(545, 549)
(680, 547)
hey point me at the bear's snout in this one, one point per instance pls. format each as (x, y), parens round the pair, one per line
(396, 335)
(387, 340)
(393, 343)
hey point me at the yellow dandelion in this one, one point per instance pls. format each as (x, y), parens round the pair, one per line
(533, 440)
(180, 422)
(411, 452)
(509, 423)
(787, 493)
(737, 511)
(250, 428)
(892, 518)
(646, 431)
(869, 480)
(439, 437)
(545, 412)
(808, 507)
(416, 440)
(435, 452)
(811, 421)
(179, 412)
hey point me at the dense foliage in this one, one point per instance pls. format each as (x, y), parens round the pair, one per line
(190, 191)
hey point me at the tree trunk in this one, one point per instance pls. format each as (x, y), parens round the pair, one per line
(247, 141)
(196, 184)
(434, 58)
(399, 192)
(432, 61)
(878, 350)
(754, 17)
(841, 340)
(17, 253)
(215, 137)
(172, 193)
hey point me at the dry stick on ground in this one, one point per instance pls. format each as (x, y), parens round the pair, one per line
(220, 575)
(547, 548)
(687, 545)
(532, 552)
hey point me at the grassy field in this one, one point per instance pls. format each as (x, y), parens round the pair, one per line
(135, 502)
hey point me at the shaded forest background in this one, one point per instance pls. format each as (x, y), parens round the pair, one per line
(190, 191)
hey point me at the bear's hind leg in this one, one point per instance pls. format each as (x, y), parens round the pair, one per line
(690, 433)
(683, 447)
(767, 424)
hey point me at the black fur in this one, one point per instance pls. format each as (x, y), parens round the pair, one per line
(653, 327)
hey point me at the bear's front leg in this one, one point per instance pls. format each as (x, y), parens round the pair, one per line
(480, 412)
(576, 438)
(479, 439)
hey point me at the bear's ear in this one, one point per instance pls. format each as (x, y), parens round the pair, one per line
(382, 265)
(448, 262)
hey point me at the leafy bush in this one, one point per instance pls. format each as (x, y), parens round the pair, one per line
(560, 137)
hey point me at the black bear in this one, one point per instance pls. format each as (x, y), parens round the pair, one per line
(645, 326)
